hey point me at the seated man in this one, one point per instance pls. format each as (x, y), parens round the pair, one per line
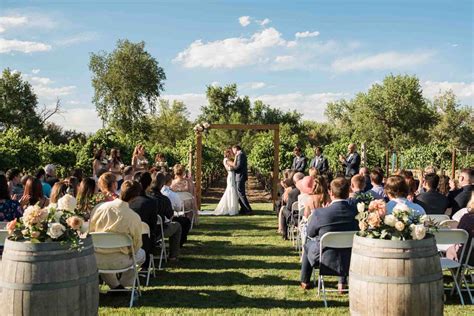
(117, 217)
(357, 189)
(338, 216)
(287, 212)
(431, 200)
(171, 229)
(397, 191)
(377, 191)
(459, 198)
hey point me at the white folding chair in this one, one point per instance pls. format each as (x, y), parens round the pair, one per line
(438, 218)
(449, 223)
(162, 244)
(3, 236)
(467, 268)
(108, 240)
(186, 198)
(452, 237)
(301, 207)
(292, 226)
(151, 260)
(332, 240)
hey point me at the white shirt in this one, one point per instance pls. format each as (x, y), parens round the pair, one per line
(337, 200)
(176, 201)
(419, 210)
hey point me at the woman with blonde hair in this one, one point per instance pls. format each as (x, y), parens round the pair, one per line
(185, 189)
(116, 165)
(139, 161)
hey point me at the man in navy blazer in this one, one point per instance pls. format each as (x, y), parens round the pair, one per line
(299, 162)
(338, 216)
(319, 162)
(352, 161)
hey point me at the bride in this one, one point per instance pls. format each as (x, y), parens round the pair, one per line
(229, 203)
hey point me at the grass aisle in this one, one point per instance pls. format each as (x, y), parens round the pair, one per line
(234, 265)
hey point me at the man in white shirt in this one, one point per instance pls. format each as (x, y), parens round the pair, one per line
(176, 201)
(397, 191)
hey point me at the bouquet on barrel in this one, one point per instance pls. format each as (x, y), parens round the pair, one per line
(402, 224)
(56, 223)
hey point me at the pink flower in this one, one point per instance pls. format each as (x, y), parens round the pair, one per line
(75, 222)
(11, 226)
(35, 234)
(379, 207)
(374, 220)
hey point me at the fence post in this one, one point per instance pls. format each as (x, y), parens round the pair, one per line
(453, 163)
(387, 163)
(198, 169)
(364, 154)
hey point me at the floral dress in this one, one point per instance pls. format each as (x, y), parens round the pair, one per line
(9, 210)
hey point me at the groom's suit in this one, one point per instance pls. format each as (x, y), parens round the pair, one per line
(241, 176)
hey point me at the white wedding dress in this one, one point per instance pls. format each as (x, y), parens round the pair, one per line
(229, 203)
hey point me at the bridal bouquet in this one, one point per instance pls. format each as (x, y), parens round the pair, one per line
(402, 224)
(57, 223)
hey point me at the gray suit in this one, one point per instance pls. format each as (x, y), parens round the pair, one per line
(241, 176)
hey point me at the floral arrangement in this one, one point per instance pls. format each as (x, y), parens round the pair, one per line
(202, 127)
(402, 224)
(55, 223)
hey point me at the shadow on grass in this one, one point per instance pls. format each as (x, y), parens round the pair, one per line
(226, 248)
(223, 264)
(208, 299)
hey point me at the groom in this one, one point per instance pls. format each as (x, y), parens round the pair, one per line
(240, 169)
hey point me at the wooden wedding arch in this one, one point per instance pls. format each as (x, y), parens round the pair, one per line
(262, 127)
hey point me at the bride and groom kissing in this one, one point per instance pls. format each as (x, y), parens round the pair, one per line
(235, 162)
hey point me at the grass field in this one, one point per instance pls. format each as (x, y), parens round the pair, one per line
(236, 265)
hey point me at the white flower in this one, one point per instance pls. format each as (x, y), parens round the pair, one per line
(55, 230)
(390, 220)
(67, 203)
(206, 125)
(57, 215)
(399, 226)
(360, 207)
(424, 218)
(418, 232)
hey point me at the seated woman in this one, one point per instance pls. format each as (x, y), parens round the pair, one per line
(33, 194)
(85, 197)
(58, 191)
(185, 189)
(9, 209)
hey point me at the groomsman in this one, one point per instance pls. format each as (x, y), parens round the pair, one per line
(299, 162)
(319, 162)
(352, 161)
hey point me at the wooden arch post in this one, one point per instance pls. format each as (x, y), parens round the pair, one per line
(262, 127)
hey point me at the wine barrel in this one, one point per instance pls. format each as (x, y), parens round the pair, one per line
(390, 277)
(48, 279)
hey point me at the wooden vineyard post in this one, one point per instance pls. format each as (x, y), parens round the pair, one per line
(276, 163)
(387, 163)
(198, 169)
(453, 164)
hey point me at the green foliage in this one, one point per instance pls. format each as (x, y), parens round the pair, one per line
(63, 156)
(127, 83)
(17, 151)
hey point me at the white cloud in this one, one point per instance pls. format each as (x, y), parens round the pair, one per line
(8, 46)
(43, 89)
(82, 119)
(263, 22)
(253, 85)
(231, 52)
(193, 101)
(463, 90)
(306, 34)
(382, 61)
(35, 71)
(244, 20)
(7, 22)
(78, 38)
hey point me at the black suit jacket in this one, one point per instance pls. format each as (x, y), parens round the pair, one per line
(433, 202)
(146, 209)
(352, 165)
(339, 216)
(299, 165)
(292, 198)
(459, 198)
(240, 167)
(322, 165)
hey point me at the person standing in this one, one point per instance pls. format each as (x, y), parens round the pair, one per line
(299, 162)
(351, 162)
(319, 162)
(240, 168)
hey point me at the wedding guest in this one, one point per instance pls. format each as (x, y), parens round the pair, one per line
(468, 209)
(338, 216)
(108, 186)
(15, 187)
(171, 229)
(139, 161)
(460, 197)
(287, 212)
(100, 163)
(299, 162)
(160, 163)
(145, 207)
(116, 165)
(357, 187)
(9, 209)
(78, 173)
(33, 193)
(50, 176)
(85, 193)
(397, 191)
(117, 217)
(181, 184)
(352, 161)
(40, 175)
(411, 183)
(319, 162)
(377, 191)
(176, 201)
(365, 172)
(319, 196)
(280, 191)
(128, 173)
(443, 186)
(72, 185)
(467, 223)
(313, 172)
(431, 200)
(58, 191)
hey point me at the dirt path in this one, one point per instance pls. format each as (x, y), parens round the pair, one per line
(255, 192)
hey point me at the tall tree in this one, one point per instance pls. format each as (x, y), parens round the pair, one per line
(127, 83)
(18, 104)
(171, 123)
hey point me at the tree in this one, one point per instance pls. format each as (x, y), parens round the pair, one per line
(18, 104)
(456, 122)
(171, 124)
(127, 83)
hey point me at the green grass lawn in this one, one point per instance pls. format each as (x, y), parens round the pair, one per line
(236, 265)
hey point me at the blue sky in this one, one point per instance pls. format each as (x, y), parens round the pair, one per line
(292, 55)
